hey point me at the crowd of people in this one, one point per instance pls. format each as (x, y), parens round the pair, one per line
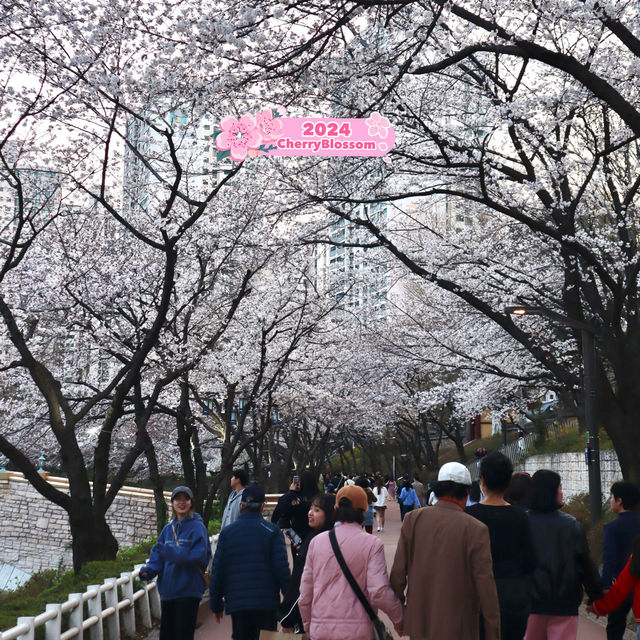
(495, 559)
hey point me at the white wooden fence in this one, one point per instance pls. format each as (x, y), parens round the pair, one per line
(105, 615)
(103, 622)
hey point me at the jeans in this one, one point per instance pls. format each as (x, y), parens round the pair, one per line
(178, 619)
(246, 625)
(617, 620)
(404, 510)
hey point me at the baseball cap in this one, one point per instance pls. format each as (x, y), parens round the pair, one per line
(454, 472)
(253, 494)
(181, 489)
(356, 494)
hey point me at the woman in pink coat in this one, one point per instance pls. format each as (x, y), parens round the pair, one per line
(329, 608)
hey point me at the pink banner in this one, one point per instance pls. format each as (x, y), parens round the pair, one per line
(274, 135)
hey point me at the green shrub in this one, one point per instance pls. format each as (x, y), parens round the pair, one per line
(578, 507)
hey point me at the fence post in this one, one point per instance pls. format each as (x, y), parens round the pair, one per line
(145, 610)
(53, 628)
(154, 601)
(76, 617)
(94, 606)
(128, 613)
(112, 622)
(30, 635)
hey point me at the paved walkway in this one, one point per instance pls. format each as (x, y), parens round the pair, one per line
(589, 628)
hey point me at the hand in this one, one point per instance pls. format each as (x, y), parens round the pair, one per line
(143, 575)
(286, 630)
(294, 486)
(218, 615)
(399, 630)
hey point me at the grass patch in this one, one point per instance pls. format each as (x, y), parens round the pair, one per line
(569, 442)
(491, 443)
(54, 585)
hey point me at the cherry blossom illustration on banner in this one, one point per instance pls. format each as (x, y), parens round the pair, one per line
(271, 133)
(238, 136)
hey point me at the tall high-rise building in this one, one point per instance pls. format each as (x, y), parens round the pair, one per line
(355, 277)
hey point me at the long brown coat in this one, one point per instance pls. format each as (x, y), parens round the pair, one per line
(445, 556)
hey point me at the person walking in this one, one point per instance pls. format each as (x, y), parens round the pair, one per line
(179, 559)
(418, 487)
(380, 505)
(444, 558)
(370, 512)
(512, 549)
(250, 568)
(518, 492)
(407, 499)
(564, 566)
(293, 507)
(329, 607)
(626, 586)
(390, 483)
(321, 518)
(618, 536)
(239, 480)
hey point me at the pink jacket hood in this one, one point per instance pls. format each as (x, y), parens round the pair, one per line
(329, 608)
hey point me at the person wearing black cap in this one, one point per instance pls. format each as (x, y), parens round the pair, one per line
(179, 559)
(250, 568)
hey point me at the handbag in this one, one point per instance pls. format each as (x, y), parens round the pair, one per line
(380, 632)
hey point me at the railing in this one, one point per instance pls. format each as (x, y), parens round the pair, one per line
(516, 451)
(118, 612)
(147, 598)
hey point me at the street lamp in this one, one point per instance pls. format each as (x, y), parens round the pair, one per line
(588, 331)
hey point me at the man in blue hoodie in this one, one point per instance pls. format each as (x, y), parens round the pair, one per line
(250, 568)
(179, 559)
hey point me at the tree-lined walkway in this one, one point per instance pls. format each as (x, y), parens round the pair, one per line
(588, 628)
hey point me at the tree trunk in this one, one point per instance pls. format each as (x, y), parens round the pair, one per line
(91, 537)
(158, 488)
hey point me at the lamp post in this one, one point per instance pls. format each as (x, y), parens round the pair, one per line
(589, 389)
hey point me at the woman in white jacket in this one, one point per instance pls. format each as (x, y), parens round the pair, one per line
(380, 505)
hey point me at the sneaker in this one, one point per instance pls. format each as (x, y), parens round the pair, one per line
(379, 529)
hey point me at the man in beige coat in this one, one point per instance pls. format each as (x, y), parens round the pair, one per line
(444, 555)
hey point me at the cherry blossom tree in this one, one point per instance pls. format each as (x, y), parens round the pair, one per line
(524, 118)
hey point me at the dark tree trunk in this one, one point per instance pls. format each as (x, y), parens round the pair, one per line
(91, 537)
(158, 487)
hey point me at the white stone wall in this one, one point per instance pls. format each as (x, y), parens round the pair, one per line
(574, 472)
(34, 533)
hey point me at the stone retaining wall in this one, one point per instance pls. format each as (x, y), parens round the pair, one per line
(34, 533)
(574, 471)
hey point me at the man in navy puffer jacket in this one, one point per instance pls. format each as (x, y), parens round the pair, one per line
(250, 568)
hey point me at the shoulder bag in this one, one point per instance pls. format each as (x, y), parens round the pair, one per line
(380, 632)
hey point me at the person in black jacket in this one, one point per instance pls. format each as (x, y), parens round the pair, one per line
(512, 548)
(564, 565)
(618, 536)
(321, 518)
(250, 568)
(292, 509)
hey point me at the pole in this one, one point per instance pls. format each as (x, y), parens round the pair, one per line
(394, 469)
(589, 363)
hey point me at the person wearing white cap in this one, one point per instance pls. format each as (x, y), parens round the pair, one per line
(447, 553)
